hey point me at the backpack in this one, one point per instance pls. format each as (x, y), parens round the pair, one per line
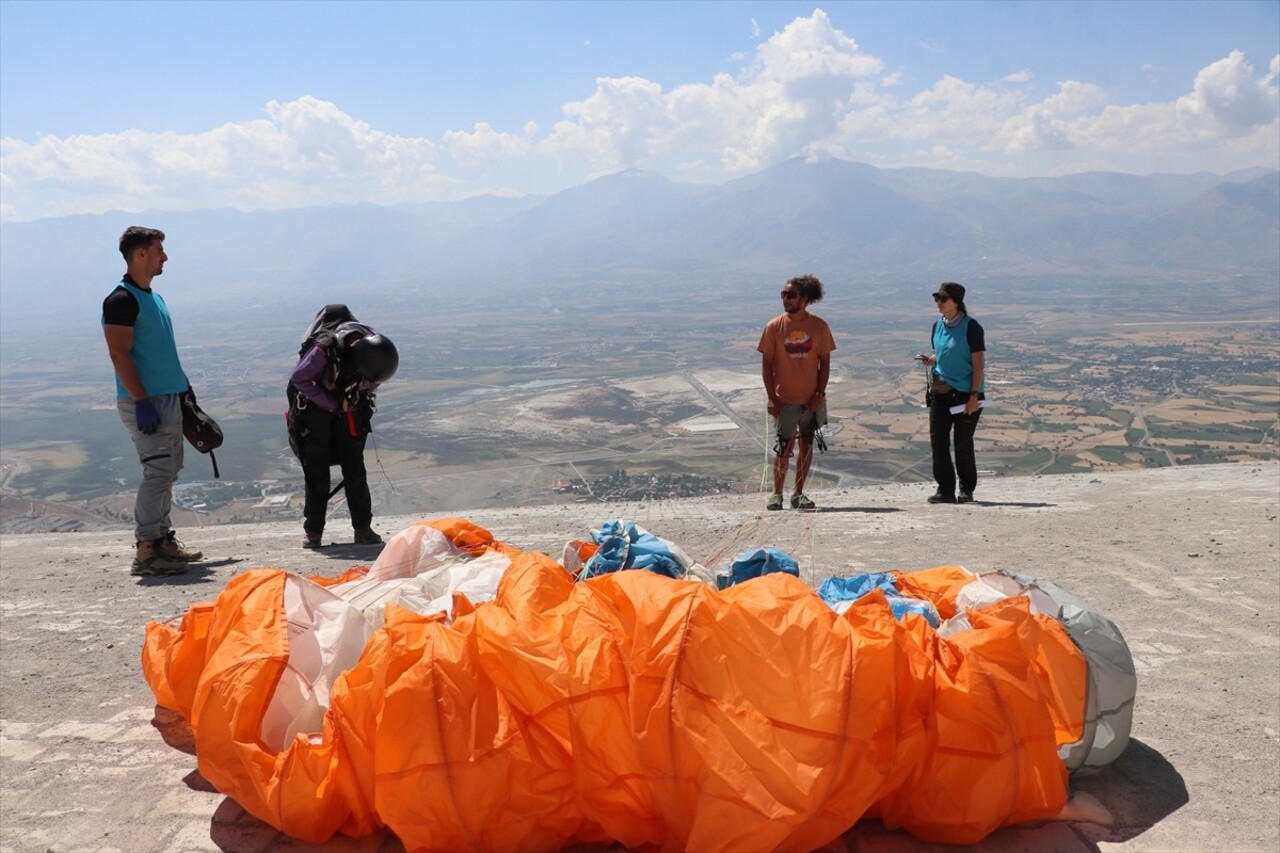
(328, 318)
(200, 430)
(322, 333)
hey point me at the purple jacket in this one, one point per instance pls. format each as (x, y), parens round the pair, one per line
(315, 381)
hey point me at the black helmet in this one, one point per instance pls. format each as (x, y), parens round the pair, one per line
(376, 357)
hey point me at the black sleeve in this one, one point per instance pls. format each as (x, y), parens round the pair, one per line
(976, 337)
(120, 308)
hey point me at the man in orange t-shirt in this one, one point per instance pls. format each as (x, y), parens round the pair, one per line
(796, 349)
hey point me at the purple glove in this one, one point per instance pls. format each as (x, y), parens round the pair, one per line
(148, 417)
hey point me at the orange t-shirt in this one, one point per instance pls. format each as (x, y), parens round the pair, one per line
(795, 347)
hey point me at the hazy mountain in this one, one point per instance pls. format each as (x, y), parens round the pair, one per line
(604, 227)
(1236, 222)
(833, 218)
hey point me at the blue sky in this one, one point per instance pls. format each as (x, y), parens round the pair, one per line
(180, 105)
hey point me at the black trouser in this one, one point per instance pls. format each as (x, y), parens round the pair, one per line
(941, 423)
(328, 440)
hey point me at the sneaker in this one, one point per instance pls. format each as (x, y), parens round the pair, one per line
(775, 501)
(170, 548)
(964, 497)
(367, 536)
(311, 541)
(801, 501)
(148, 562)
(941, 498)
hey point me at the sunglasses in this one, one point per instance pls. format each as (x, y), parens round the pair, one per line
(940, 298)
(790, 294)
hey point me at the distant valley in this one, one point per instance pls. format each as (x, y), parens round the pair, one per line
(603, 338)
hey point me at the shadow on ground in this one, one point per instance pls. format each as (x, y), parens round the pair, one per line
(363, 554)
(1139, 790)
(868, 509)
(1119, 803)
(195, 573)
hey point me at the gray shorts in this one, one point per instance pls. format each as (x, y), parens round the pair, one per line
(796, 418)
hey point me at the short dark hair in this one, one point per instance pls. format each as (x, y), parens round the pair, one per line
(136, 237)
(809, 286)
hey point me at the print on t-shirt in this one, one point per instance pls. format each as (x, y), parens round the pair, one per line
(798, 344)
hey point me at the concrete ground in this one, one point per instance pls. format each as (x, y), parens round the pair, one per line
(1185, 560)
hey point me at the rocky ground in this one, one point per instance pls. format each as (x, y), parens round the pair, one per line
(1185, 560)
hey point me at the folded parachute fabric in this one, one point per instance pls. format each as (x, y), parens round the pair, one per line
(466, 694)
(622, 545)
(754, 564)
(842, 592)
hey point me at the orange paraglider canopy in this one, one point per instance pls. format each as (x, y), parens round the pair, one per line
(467, 694)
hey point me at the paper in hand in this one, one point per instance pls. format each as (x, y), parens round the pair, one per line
(955, 410)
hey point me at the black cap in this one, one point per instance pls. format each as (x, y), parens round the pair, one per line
(951, 290)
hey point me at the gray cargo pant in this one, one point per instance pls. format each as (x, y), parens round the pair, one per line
(161, 456)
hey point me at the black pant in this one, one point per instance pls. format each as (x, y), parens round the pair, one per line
(327, 441)
(941, 424)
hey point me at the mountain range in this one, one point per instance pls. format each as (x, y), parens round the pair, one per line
(833, 218)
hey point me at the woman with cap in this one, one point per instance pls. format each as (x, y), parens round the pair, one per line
(955, 394)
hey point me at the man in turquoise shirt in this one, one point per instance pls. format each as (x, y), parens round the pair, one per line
(149, 382)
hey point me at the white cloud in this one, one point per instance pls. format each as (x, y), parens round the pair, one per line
(1046, 126)
(305, 152)
(485, 146)
(1229, 119)
(799, 83)
(811, 90)
(616, 126)
(812, 49)
(808, 90)
(1226, 96)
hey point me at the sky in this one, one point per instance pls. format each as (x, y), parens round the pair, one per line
(183, 104)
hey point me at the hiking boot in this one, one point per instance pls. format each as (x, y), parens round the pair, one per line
(775, 501)
(964, 497)
(148, 561)
(170, 548)
(941, 498)
(367, 536)
(801, 501)
(311, 540)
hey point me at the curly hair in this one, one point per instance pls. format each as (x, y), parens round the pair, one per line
(809, 286)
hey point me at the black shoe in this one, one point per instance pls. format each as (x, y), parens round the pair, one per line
(941, 498)
(312, 541)
(964, 497)
(366, 536)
